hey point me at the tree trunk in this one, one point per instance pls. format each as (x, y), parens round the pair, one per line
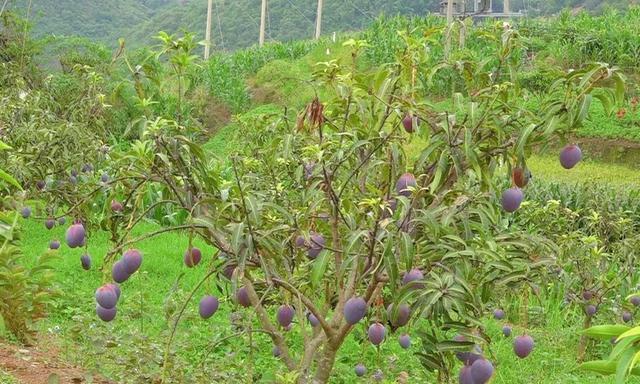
(582, 345)
(325, 364)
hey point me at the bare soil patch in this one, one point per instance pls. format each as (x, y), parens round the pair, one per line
(41, 364)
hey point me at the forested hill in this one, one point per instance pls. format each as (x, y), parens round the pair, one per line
(236, 22)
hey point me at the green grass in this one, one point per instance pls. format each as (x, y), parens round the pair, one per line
(6, 378)
(548, 167)
(611, 127)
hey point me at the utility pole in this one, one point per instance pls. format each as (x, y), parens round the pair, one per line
(207, 38)
(319, 20)
(449, 12)
(507, 7)
(263, 21)
(447, 42)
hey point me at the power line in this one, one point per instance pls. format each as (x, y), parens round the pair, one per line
(218, 10)
(258, 25)
(3, 5)
(359, 10)
(300, 12)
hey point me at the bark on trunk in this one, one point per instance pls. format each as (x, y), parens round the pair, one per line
(325, 364)
(582, 345)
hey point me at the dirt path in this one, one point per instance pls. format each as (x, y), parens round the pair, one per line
(41, 364)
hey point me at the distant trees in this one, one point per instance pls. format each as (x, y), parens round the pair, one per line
(236, 21)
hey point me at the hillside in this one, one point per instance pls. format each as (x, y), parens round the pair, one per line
(236, 22)
(94, 19)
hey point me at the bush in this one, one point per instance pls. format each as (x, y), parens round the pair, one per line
(25, 290)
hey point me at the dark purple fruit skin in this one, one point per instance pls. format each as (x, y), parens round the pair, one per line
(119, 272)
(405, 341)
(85, 261)
(132, 260)
(635, 300)
(354, 310)
(105, 314)
(465, 375)
(590, 310)
(62, 221)
(316, 244)
(570, 156)
(104, 178)
(313, 320)
(377, 375)
(74, 173)
(55, 244)
(626, 316)
(360, 370)
(308, 170)
(275, 351)
(106, 297)
(587, 295)
(228, 271)
(26, 212)
(481, 371)
(405, 181)
(116, 206)
(191, 259)
(401, 316)
(407, 123)
(511, 199)
(413, 275)
(468, 358)
(506, 331)
(87, 168)
(40, 184)
(498, 314)
(285, 315)
(73, 180)
(115, 288)
(376, 333)
(208, 306)
(300, 243)
(242, 296)
(49, 223)
(75, 235)
(522, 346)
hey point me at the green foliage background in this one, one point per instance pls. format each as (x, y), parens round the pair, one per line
(236, 22)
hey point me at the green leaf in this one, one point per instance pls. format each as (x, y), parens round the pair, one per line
(631, 332)
(320, 267)
(584, 110)
(603, 367)
(524, 138)
(454, 346)
(606, 332)
(9, 179)
(406, 250)
(4, 146)
(623, 365)
(441, 172)
(391, 264)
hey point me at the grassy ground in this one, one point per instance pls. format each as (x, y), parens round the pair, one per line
(547, 167)
(5, 378)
